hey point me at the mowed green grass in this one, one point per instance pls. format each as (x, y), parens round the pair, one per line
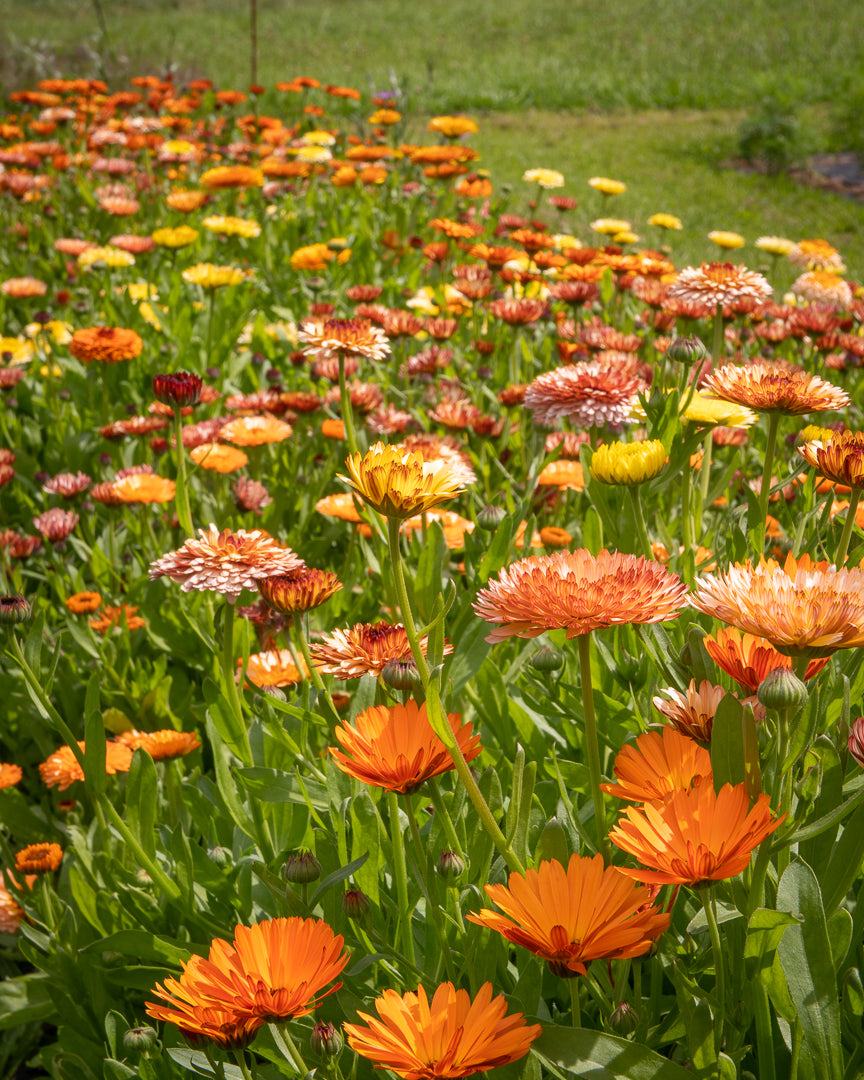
(648, 93)
(490, 54)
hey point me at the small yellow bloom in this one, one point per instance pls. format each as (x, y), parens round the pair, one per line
(141, 290)
(774, 245)
(628, 463)
(318, 138)
(20, 352)
(451, 127)
(626, 236)
(231, 226)
(606, 186)
(726, 239)
(315, 154)
(707, 410)
(56, 330)
(546, 178)
(209, 276)
(610, 226)
(385, 117)
(400, 484)
(665, 221)
(105, 256)
(182, 236)
(177, 146)
(145, 310)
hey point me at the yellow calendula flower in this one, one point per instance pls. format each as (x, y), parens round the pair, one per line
(774, 245)
(141, 290)
(15, 352)
(628, 463)
(606, 186)
(145, 310)
(314, 154)
(451, 127)
(385, 117)
(726, 239)
(610, 226)
(181, 236)
(231, 226)
(708, 410)
(177, 146)
(665, 221)
(626, 236)
(105, 256)
(318, 138)
(400, 484)
(56, 330)
(546, 178)
(209, 276)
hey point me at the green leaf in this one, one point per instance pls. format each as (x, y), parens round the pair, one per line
(553, 843)
(840, 927)
(727, 743)
(342, 874)
(95, 777)
(805, 953)
(271, 785)
(224, 720)
(142, 802)
(845, 862)
(764, 932)
(604, 1057)
(141, 945)
(195, 1062)
(25, 1000)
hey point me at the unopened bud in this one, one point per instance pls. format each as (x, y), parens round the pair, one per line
(547, 659)
(782, 689)
(13, 609)
(401, 675)
(450, 866)
(856, 741)
(302, 867)
(809, 785)
(140, 1039)
(325, 1040)
(687, 350)
(490, 517)
(356, 904)
(221, 856)
(623, 1019)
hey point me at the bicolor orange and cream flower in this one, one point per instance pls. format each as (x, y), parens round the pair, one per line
(748, 659)
(839, 458)
(273, 970)
(589, 394)
(365, 649)
(400, 484)
(226, 562)
(691, 713)
(578, 592)
(300, 590)
(450, 1036)
(656, 764)
(803, 608)
(720, 283)
(772, 388)
(696, 836)
(572, 916)
(357, 337)
(394, 747)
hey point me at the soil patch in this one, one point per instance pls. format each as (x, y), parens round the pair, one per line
(841, 174)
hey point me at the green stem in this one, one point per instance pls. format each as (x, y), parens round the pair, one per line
(717, 337)
(764, 1039)
(209, 342)
(704, 478)
(217, 1066)
(848, 526)
(288, 1048)
(641, 530)
(181, 497)
(156, 873)
(706, 893)
(435, 712)
(429, 887)
(240, 1058)
(442, 815)
(347, 408)
(765, 489)
(575, 1008)
(228, 672)
(687, 536)
(314, 673)
(401, 875)
(592, 746)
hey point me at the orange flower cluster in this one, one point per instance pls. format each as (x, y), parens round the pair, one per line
(108, 344)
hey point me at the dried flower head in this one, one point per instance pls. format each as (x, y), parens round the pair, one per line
(225, 562)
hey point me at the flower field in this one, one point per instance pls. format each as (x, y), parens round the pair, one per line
(432, 619)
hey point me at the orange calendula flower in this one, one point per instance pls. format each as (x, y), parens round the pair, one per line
(590, 394)
(62, 768)
(38, 858)
(300, 590)
(11, 912)
(803, 608)
(696, 836)
(451, 127)
(398, 483)
(218, 458)
(83, 602)
(839, 458)
(199, 1022)
(125, 615)
(275, 667)
(579, 592)
(656, 764)
(226, 562)
(10, 775)
(563, 473)
(109, 344)
(232, 176)
(748, 659)
(273, 970)
(771, 388)
(692, 713)
(343, 506)
(144, 488)
(572, 916)
(365, 649)
(161, 745)
(255, 431)
(395, 748)
(451, 1036)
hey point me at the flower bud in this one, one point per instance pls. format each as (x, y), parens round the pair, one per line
(687, 351)
(182, 388)
(13, 609)
(221, 856)
(140, 1039)
(401, 675)
(807, 788)
(490, 517)
(782, 689)
(356, 904)
(302, 867)
(325, 1041)
(553, 844)
(623, 1019)
(547, 659)
(450, 866)
(856, 741)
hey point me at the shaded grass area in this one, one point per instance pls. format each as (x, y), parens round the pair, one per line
(495, 54)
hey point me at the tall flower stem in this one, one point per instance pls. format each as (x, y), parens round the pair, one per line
(641, 529)
(575, 1008)
(314, 673)
(230, 683)
(433, 908)
(687, 537)
(435, 712)
(287, 1047)
(764, 490)
(181, 497)
(592, 746)
(443, 817)
(240, 1058)
(209, 343)
(401, 875)
(706, 893)
(849, 524)
(346, 407)
(704, 477)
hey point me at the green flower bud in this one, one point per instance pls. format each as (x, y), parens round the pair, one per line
(450, 866)
(490, 517)
(687, 351)
(547, 659)
(401, 675)
(302, 868)
(623, 1019)
(782, 689)
(140, 1039)
(13, 609)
